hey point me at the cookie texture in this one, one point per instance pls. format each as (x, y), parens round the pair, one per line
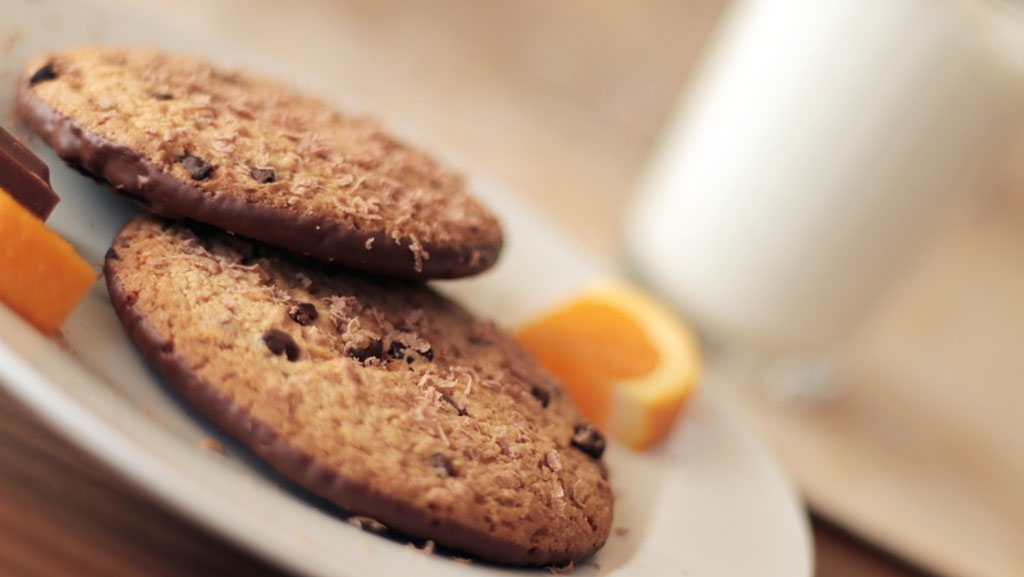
(376, 393)
(186, 139)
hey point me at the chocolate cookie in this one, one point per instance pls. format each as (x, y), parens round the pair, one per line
(376, 393)
(186, 139)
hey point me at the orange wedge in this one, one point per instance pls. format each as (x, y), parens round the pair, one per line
(42, 278)
(627, 361)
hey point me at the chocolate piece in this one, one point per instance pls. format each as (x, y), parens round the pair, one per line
(541, 395)
(280, 342)
(589, 440)
(25, 177)
(443, 465)
(46, 72)
(303, 313)
(163, 96)
(396, 350)
(428, 354)
(263, 175)
(197, 168)
(373, 349)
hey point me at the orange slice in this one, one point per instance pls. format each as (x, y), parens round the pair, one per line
(41, 276)
(627, 361)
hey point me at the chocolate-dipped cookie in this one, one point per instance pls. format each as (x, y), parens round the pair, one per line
(375, 393)
(186, 139)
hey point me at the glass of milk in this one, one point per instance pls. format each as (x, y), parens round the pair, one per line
(805, 162)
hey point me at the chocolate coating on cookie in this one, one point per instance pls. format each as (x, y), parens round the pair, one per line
(340, 189)
(456, 449)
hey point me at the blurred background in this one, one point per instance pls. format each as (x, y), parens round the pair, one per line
(920, 453)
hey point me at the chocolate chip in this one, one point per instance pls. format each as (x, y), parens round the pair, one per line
(396, 350)
(263, 175)
(162, 96)
(42, 75)
(373, 349)
(443, 465)
(541, 395)
(280, 342)
(303, 313)
(112, 254)
(409, 359)
(589, 440)
(458, 409)
(197, 168)
(428, 354)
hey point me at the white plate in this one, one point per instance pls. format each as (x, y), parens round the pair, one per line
(709, 502)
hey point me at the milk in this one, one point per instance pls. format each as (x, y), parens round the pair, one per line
(818, 141)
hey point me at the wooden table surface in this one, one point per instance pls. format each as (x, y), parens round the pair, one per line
(560, 101)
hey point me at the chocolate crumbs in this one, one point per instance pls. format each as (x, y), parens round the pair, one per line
(303, 313)
(263, 175)
(589, 440)
(443, 465)
(197, 168)
(46, 72)
(280, 342)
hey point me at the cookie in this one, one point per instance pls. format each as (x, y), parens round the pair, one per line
(375, 393)
(186, 139)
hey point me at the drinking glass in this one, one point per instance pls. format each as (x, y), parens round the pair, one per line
(806, 161)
